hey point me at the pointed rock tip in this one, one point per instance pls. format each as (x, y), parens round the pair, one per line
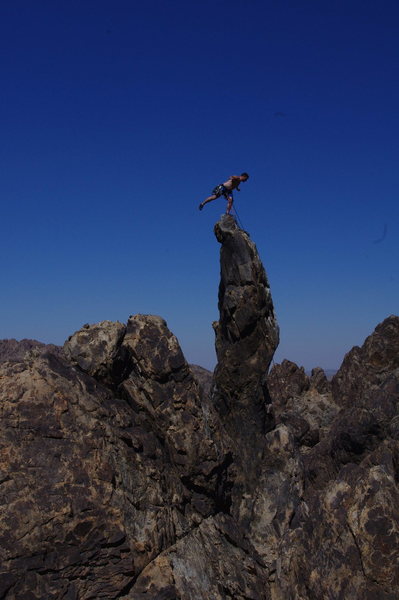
(226, 225)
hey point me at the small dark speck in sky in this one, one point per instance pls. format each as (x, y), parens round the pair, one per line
(383, 236)
(279, 114)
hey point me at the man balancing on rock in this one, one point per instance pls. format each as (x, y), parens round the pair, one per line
(226, 189)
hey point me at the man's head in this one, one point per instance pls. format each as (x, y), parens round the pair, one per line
(244, 176)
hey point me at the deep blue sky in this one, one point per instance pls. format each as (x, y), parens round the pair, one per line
(119, 117)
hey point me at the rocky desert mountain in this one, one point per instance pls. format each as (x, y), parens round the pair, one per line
(126, 473)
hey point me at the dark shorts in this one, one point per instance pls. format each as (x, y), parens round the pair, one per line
(220, 190)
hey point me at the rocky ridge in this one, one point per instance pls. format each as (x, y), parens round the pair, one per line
(122, 477)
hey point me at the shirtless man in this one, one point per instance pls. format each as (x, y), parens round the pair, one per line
(226, 189)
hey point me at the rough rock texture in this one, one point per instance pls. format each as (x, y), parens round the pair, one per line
(367, 367)
(166, 398)
(304, 403)
(98, 485)
(121, 477)
(246, 335)
(12, 350)
(96, 350)
(246, 338)
(318, 381)
(204, 378)
(285, 381)
(343, 540)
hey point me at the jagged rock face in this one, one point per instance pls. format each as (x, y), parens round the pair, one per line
(64, 454)
(166, 397)
(343, 542)
(302, 403)
(204, 378)
(369, 365)
(345, 531)
(213, 561)
(275, 494)
(246, 335)
(120, 477)
(318, 381)
(287, 380)
(370, 405)
(98, 484)
(11, 350)
(144, 363)
(246, 338)
(96, 350)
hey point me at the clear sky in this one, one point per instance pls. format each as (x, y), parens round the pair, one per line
(119, 117)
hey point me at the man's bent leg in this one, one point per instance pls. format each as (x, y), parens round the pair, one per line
(209, 199)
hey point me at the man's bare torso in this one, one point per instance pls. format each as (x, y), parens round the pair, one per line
(232, 183)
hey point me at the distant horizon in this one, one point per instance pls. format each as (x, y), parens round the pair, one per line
(60, 345)
(328, 370)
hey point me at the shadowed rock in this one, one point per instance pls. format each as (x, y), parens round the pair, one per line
(96, 350)
(304, 404)
(369, 365)
(204, 378)
(286, 380)
(167, 399)
(11, 350)
(246, 335)
(344, 533)
(99, 484)
(318, 381)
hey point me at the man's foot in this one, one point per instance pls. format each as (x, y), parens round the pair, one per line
(201, 206)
